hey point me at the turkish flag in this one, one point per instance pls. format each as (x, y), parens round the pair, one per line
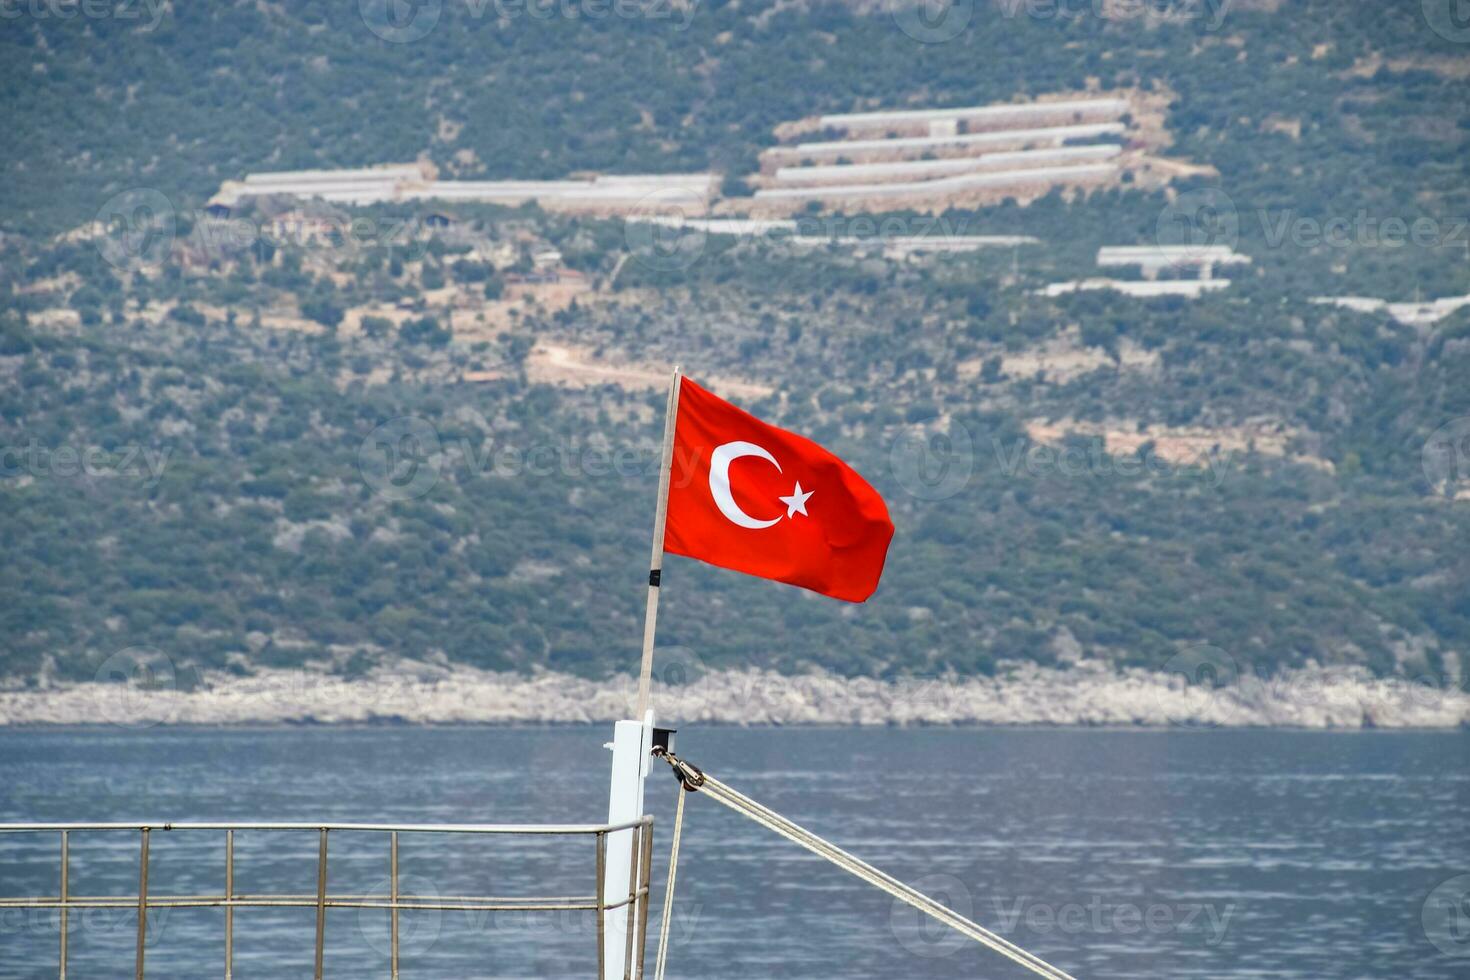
(751, 497)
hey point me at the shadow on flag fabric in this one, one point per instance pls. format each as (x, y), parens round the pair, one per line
(750, 497)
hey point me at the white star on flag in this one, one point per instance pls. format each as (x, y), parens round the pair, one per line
(796, 503)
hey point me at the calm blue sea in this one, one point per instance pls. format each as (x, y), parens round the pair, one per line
(1114, 854)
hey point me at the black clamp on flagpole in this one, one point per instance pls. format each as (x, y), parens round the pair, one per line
(654, 574)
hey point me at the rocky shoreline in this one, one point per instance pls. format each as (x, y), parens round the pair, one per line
(1019, 694)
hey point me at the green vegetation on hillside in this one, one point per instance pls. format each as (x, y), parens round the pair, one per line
(181, 472)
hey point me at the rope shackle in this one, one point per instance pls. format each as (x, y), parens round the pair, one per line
(690, 776)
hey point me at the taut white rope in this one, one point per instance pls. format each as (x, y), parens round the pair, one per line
(693, 778)
(663, 929)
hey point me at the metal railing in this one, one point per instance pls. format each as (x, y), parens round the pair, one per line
(394, 902)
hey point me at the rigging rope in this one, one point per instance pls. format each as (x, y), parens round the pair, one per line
(663, 929)
(692, 779)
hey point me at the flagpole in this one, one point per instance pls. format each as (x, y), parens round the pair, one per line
(656, 561)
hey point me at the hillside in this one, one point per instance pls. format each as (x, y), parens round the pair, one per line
(197, 422)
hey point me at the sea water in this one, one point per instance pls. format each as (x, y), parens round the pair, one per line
(1175, 853)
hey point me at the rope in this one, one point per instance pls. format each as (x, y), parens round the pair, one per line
(773, 821)
(663, 929)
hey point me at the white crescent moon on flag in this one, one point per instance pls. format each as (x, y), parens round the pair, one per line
(719, 481)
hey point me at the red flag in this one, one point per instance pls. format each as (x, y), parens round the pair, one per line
(757, 499)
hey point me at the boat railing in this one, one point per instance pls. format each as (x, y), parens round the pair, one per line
(606, 907)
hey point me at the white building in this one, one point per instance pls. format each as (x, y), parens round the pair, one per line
(397, 183)
(1419, 314)
(1153, 259)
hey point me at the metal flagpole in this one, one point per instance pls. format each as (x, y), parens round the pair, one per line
(631, 746)
(656, 562)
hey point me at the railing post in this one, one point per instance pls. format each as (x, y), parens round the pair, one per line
(644, 885)
(393, 916)
(65, 891)
(142, 906)
(321, 901)
(631, 908)
(229, 904)
(601, 900)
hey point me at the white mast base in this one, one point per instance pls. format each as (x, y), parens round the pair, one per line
(631, 747)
